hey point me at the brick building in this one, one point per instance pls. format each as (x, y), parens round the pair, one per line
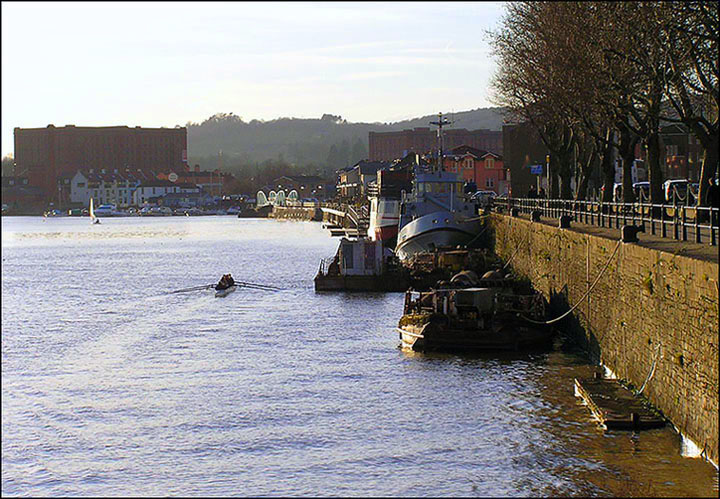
(48, 153)
(386, 146)
(484, 168)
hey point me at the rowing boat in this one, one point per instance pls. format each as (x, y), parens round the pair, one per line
(219, 293)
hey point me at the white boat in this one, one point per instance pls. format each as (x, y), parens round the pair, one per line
(385, 205)
(437, 212)
(219, 293)
(107, 210)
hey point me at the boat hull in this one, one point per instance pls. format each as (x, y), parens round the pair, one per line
(510, 336)
(432, 231)
(219, 293)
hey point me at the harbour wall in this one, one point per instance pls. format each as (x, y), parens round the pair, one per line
(296, 213)
(652, 317)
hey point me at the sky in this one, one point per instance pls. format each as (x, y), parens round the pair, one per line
(169, 63)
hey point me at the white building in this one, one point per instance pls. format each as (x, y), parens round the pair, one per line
(105, 187)
(153, 189)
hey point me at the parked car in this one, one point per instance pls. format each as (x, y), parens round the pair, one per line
(675, 187)
(484, 198)
(642, 191)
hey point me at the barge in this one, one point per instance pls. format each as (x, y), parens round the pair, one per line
(492, 315)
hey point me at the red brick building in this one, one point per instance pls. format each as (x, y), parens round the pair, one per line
(386, 146)
(48, 153)
(484, 168)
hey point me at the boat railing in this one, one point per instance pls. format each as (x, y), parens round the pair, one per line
(677, 221)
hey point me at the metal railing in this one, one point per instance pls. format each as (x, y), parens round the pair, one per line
(683, 223)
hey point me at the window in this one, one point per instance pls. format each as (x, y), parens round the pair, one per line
(81, 184)
(468, 163)
(490, 163)
(489, 182)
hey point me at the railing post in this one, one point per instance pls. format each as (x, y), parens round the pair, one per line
(652, 221)
(684, 227)
(697, 224)
(676, 219)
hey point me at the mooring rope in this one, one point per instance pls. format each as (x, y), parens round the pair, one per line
(478, 235)
(652, 369)
(597, 279)
(516, 251)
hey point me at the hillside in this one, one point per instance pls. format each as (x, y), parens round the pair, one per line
(327, 142)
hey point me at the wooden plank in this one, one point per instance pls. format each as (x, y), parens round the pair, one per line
(615, 406)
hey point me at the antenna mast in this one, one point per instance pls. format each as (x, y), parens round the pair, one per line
(439, 123)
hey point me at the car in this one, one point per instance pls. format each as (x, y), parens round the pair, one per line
(675, 187)
(484, 198)
(642, 191)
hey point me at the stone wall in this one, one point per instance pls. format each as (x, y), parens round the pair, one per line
(648, 307)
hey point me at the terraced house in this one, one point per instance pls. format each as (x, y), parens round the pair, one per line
(105, 187)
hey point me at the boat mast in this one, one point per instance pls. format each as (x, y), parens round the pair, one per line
(439, 123)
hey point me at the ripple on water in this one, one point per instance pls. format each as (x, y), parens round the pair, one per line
(114, 386)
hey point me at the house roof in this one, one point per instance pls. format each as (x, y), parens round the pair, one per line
(157, 183)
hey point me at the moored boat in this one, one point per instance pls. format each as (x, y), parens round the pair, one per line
(491, 316)
(437, 212)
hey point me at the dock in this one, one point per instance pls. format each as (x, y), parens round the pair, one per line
(615, 406)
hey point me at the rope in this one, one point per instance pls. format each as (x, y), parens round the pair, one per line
(478, 235)
(652, 369)
(516, 251)
(586, 293)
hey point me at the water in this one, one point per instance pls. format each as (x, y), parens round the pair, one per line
(111, 386)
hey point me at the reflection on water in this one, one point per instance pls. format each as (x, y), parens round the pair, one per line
(112, 385)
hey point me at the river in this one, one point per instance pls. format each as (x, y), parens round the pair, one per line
(113, 386)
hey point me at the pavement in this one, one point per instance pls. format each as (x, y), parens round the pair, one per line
(703, 251)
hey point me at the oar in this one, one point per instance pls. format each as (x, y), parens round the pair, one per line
(196, 288)
(257, 286)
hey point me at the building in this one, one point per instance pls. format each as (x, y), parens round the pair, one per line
(683, 153)
(386, 146)
(484, 168)
(353, 181)
(151, 189)
(48, 153)
(106, 187)
(20, 197)
(211, 181)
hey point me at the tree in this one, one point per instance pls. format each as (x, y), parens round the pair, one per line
(692, 86)
(8, 166)
(359, 151)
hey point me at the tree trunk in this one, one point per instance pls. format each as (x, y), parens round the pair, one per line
(627, 153)
(655, 174)
(581, 193)
(608, 171)
(565, 173)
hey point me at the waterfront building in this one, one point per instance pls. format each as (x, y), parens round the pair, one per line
(106, 187)
(353, 181)
(47, 153)
(211, 181)
(484, 168)
(17, 194)
(387, 146)
(155, 188)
